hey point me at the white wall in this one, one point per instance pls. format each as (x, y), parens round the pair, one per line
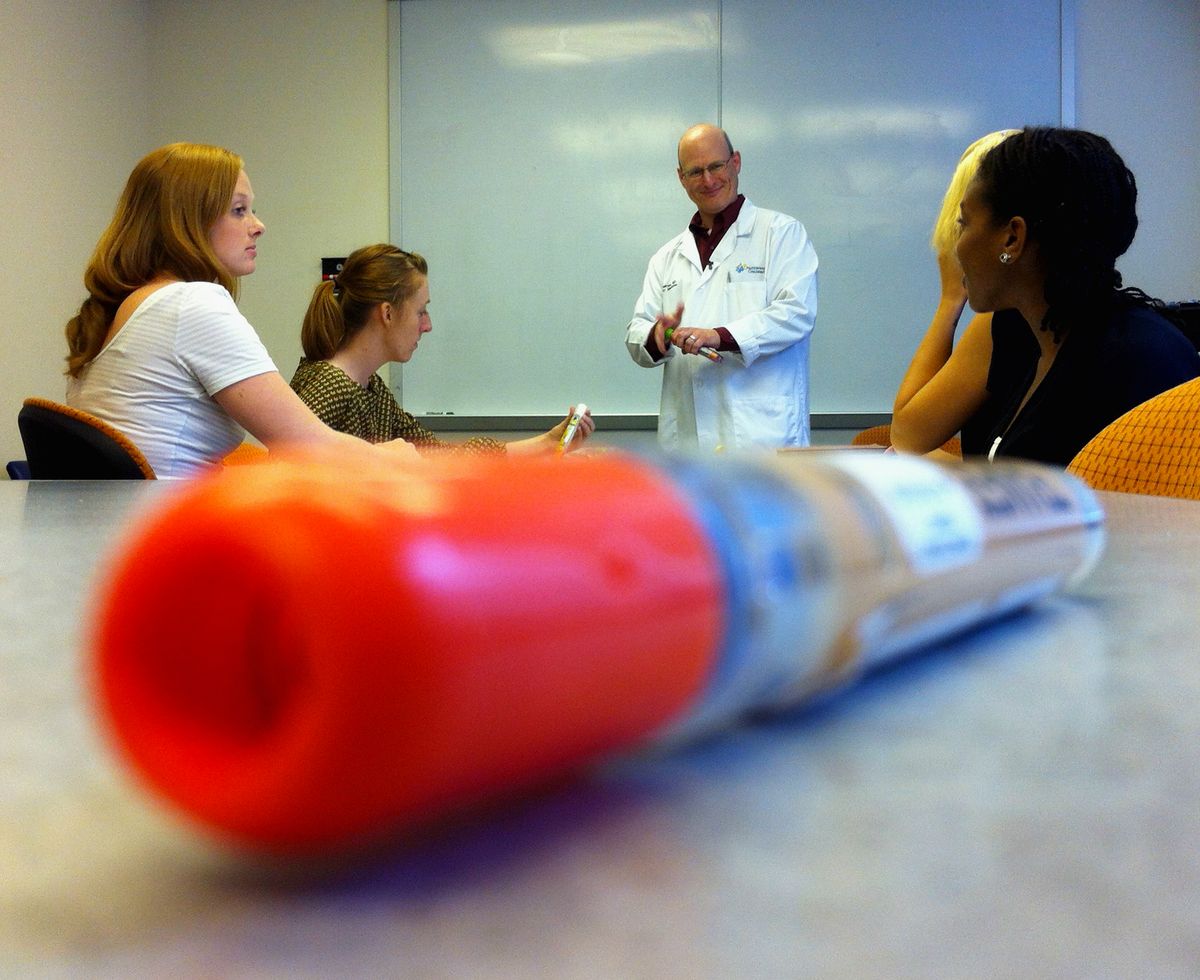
(299, 88)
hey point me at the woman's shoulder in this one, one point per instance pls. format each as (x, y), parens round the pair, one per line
(1144, 351)
(177, 299)
(323, 378)
(311, 370)
(194, 289)
(198, 301)
(332, 395)
(1137, 328)
(378, 388)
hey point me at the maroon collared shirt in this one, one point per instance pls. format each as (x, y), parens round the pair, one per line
(706, 243)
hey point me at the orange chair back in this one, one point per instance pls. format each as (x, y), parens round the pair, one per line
(1152, 449)
(245, 453)
(881, 435)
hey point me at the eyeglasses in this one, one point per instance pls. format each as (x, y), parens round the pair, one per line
(713, 170)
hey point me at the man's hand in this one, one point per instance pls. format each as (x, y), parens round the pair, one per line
(691, 339)
(664, 327)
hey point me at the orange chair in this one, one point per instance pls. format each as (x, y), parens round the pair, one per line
(881, 435)
(244, 454)
(876, 435)
(64, 443)
(1152, 449)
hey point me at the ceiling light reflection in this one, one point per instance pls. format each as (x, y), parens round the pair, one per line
(603, 41)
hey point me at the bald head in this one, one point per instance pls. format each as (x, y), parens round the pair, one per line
(705, 132)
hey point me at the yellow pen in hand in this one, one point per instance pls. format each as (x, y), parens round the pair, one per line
(572, 427)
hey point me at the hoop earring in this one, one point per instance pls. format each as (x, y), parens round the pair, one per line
(1005, 258)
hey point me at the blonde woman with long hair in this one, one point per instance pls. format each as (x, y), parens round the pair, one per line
(908, 429)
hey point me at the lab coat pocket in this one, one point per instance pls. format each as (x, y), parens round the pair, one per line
(770, 422)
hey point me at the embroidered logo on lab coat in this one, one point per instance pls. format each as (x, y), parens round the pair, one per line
(754, 270)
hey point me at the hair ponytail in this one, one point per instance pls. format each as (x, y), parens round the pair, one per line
(324, 327)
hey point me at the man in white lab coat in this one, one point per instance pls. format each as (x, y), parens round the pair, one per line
(726, 311)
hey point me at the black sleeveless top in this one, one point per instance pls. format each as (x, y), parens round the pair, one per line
(1096, 377)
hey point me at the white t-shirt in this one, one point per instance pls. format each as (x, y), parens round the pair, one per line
(155, 379)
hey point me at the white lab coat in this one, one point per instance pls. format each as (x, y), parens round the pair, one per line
(761, 286)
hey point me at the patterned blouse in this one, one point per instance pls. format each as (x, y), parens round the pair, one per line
(371, 413)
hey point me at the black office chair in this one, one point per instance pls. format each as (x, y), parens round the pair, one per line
(64, 443)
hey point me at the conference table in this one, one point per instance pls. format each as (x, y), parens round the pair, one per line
(1021, 801)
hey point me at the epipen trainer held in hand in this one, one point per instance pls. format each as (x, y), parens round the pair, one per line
(309, 655)
(710, 352)
(572, 426)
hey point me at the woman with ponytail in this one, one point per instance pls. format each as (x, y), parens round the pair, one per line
(373, 313)
(1067, 349)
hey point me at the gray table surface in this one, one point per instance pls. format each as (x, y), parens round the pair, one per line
(1022, 802)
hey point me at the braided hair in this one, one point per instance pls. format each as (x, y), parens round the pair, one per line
(1079, 202)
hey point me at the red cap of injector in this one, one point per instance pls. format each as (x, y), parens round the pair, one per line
(311, 654)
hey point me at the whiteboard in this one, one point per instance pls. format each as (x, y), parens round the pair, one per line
(533, 165)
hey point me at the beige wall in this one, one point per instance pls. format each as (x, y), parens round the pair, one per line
(298, 88)
(74, 116)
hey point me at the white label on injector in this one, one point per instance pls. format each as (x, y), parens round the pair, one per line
(935, 518)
